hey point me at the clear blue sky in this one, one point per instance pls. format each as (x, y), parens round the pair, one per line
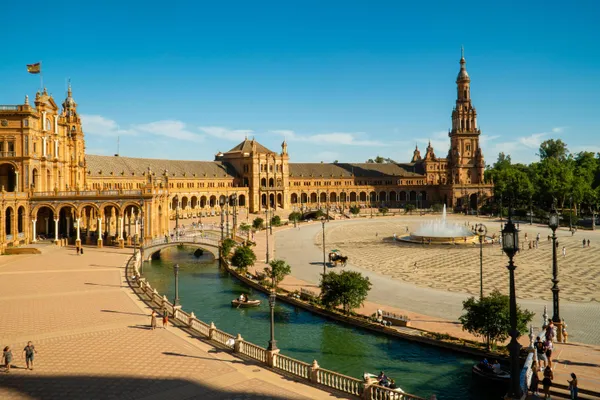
(344, 80)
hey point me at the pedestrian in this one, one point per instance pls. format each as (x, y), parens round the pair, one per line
(588, 242)
(535, 382)
(550, 330)
(541, 353)
(564, 251)
(415, 266)
(153, 320)
(583, 243)
(165, 319)
(29, 352)
(573, 387)
(547, 382)
(81, 250)
(7, 358)
(77, 249)
(548, 345)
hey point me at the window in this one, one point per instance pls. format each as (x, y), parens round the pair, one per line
(48, 124)
(11, 146)
(25, 122)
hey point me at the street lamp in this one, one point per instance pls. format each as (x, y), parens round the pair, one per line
(553, 222)
(272, 297)
(227, 215)
(176, 198)
(222, 203)
(234, 199)
(176, 272)
(510, 243)
(324, 263)
(571, 213)
(481, 231)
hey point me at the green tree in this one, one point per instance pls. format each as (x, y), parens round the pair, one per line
(490, 318)
(242, 258)
(376, 160)
(295, 216)
(319, 214)
(226, 247)
(348, 289)
(384, 210)
(275, 220)
(277, 270)
(244, 227)
(258, 223)
(410, 208)
(355, 210)
(553, 148)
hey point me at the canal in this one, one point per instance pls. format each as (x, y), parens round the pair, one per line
(419, 369)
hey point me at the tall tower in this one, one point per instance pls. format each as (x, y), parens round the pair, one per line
(75, 154)
(465, 157)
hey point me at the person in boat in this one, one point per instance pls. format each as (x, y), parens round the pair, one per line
(485, 366)
(243, 298)
(496, 367)
(383, 379)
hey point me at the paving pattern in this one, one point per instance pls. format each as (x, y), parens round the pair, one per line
(456, 269)
(93, 339)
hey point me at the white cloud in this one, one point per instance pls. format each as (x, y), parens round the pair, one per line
(339, 138)
(98, 125)
(532, 141)
(227, 134)
(559, 129)
(170, 129)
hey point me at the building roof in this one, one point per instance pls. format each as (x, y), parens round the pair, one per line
(371, 170)
(246, 147)
(128, 166)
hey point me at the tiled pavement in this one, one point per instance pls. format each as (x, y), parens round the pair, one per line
(93, 341)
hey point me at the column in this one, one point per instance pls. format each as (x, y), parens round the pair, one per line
(56, 230)
(56, 125)
(17, 181)
(44, 150)
(137, 232)
(78, 231)
(68, 226)
(100, 232)
(47, 230)
(44, 121)
(121, 227)
(56, 148)
(33, 221)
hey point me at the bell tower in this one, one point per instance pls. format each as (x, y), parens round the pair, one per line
(75, 154)
(465, 158)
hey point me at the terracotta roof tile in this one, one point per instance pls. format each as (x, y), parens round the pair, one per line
(359, 170)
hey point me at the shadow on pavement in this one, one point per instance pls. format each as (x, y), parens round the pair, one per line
(96, 387)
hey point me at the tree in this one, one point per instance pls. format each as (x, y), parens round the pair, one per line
(244, 227)
(348, 289)
(437, 207)
(258, 223)
(384, 210)
(277, 270)
(275, 220)
(552, 148)
(242, 258)
(355, 210)
(295, 216)
(410, 208)
(226, 247)
(490, 318)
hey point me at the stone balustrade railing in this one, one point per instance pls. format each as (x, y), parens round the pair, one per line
(279, 362)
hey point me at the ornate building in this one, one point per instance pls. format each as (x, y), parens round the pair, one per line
(50, 188)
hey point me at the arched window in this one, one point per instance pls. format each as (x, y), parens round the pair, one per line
(48, 124)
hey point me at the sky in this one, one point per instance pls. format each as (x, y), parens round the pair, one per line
(339, 80)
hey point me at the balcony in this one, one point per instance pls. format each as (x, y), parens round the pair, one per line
(9, 108)
(7, 154)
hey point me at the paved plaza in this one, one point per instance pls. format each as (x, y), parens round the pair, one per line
(93, 341)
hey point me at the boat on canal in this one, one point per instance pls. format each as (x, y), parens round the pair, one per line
(490, 375)
(245, 304)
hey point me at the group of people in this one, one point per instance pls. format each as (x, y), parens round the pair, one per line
(165, 319)
(384, 381)
(492, 368)
(28, 352)
(243, 298)
(544, 350)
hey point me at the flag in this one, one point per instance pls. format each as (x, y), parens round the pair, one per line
(34, 68)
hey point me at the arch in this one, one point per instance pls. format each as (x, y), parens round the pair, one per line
(263, 200)
(212, 201)
(473, 201)
(272, 200)
(402, 196)
(65, 206)
(184, 202)
(382, 196)
(363, 196)
(343, 197)
(263, 182)
(352, 196)
(372, 197)
(174, 202)
(333, 197)
(413, 195)
(294, 198)
(35, 178)
(271, 182)
(44, 214)
(35, 209)
(203, 201)
(8, 177)
(279, 200)
(313, 197)
(21, 219)
(303, 198)
(110, 204)
(194, 202)
(393, 196)
(242, 200)
(323, 197)
(8, 227)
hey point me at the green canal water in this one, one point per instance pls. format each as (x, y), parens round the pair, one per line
(418, 369)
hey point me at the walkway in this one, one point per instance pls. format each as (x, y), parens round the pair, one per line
(93, 340)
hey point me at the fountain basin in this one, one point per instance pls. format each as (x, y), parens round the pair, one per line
(441, 240)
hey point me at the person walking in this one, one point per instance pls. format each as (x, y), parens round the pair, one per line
(7, 358)
(588, 242)
(29, 352)
(153, 320)
(535, 382)
(573, 387)
(541, 353)
(583, 243)
(547, 382)
(549, 346)
(165, 319)
(564, 251)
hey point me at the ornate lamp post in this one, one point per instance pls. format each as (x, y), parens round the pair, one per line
(227, 214)
(222, 203)
(176, 198)
(142, 234)
(481, 231)
(267, 233)
(176, 272)
(553, 222)
(510, 243)
(234, 199)
(272, 297)
(324, 262)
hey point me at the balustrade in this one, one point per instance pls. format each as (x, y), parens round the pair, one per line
(9, 237)
(222, 337)
(292, 366)
(343, 383)
(383, 393)
(254, 351)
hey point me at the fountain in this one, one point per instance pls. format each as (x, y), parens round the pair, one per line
(440, 231)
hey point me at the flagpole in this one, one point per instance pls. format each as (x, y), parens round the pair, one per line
(41, 78)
